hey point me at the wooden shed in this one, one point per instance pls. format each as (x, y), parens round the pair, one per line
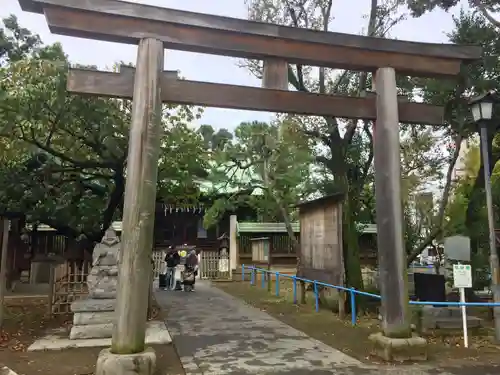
(261, 250)
(321, 255)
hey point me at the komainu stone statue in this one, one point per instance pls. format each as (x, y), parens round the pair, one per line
(94, 315)
(103, 278)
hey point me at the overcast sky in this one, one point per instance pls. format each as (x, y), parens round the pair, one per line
(350, 17)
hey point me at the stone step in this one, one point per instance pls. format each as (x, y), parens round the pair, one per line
(92, 331)
(454, 323)
(451, 323)
(98, 317)
(442, 312)
(456, 312)
(90, 305)
(156, 332)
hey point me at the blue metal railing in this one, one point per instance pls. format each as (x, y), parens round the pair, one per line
(352, 292)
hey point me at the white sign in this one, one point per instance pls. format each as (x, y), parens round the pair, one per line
(462, 276)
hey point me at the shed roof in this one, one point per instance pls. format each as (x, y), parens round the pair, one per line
(248, 227)
(312, 204)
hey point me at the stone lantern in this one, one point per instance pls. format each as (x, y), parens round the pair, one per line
(224, 253)
(223, 243)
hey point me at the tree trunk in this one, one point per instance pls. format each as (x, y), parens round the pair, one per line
(302, 292)
(3, 266)
(352, 262)
(296, 247)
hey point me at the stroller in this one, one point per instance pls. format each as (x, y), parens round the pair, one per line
(188, 278)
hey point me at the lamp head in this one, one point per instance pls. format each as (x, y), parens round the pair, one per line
(482, 105)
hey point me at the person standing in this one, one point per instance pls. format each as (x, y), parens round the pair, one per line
(172, 261)
(192, 264)
(163, 271)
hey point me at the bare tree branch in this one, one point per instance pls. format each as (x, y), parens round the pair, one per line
(484, 11)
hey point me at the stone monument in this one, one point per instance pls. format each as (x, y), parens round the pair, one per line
(94, 316)
(447, 318)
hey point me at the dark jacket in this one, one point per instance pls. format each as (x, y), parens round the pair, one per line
(173, 259)
(192, 259)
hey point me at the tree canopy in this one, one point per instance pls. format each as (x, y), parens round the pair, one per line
(67, 153)
(268, 161)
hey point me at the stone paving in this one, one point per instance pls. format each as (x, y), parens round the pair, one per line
(217, 334)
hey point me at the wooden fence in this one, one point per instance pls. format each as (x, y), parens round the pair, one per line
(158, 259)
(281, 248)
(280, 243)
(68, 283)
(214, 265)
(48, 243)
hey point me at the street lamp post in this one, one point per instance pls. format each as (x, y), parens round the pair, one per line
(482, 111)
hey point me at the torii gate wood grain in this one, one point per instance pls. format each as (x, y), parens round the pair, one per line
(155, 28)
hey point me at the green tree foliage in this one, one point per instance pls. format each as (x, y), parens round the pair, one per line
(71, 150)
(214, 140)
(269, 160)
(457, 209)
(17, 42)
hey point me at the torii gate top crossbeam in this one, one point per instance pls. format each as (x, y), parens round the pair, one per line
(125, 22)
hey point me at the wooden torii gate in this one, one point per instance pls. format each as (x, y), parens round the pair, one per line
(154, 29)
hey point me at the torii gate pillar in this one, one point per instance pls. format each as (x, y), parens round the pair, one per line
(396, 341)
(128, 354)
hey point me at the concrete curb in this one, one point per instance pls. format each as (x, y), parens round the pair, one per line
(156, 333)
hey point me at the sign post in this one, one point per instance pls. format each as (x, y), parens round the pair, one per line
(462, 278)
